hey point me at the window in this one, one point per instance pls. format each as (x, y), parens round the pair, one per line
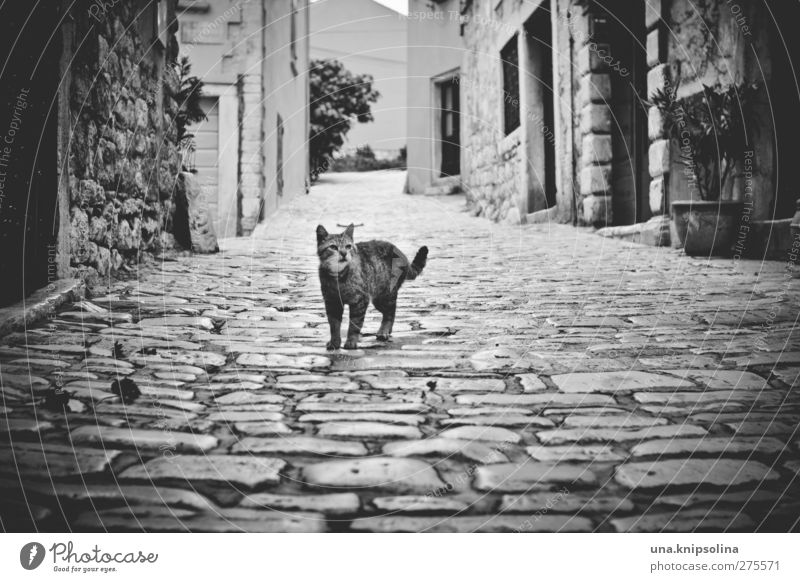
(509, 57)
(293, 37)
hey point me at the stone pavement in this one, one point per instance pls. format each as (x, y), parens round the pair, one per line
(540, 378)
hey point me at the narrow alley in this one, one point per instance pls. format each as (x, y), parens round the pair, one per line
(539, 378)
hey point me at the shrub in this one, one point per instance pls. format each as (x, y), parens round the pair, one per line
(364, 160)
(190, 90)
(711, 130)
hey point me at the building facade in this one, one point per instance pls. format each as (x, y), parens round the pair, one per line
(250, 151)
(435, 53)
(370, 38)
(555, 117)
(90, 157)
(91, 163)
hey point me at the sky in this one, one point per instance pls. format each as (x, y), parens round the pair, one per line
(396, 5)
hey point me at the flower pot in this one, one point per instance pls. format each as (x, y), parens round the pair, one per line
(706, 228)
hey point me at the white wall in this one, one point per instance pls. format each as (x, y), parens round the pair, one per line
(435, 47)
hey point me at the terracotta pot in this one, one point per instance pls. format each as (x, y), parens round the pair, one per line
(706, 228)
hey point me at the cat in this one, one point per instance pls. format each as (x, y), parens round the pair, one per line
(356, 273)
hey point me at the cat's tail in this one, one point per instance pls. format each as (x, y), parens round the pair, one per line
(416, 266)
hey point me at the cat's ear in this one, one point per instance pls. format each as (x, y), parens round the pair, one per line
(348, 232)
(322, 234)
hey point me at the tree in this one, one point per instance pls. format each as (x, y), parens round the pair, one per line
(338, 99)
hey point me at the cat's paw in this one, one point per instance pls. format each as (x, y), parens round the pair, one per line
(383, 337)
(351, 344)
(332, 345)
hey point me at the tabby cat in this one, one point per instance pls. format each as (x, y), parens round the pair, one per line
(356, 273)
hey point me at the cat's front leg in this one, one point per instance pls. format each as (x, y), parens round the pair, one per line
(357, 312)
(334, 310)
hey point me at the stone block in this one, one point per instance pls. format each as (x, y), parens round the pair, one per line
(693, 472)
(140, 113)
(88, 193)
(397, 474)
(102, 261)
(658, 192)
(655, 232)
(658, 158)
(596, 119)
(329, 504)
(514, 477)
(250, 207)
(79, 236)
(595, 88)
(589, 60)
(652, 13)
(597, 210)
(584, 60)
(513, 217)
(657, 78)
(225, 470)
(627, 381)
(596, 149)
(472, 523)
(595, 179)
(201, 225)
(655, 124)
(654, 56)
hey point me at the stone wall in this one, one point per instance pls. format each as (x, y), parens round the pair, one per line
(500, 170)
(122, 155)
(684, 45)
(492, 174)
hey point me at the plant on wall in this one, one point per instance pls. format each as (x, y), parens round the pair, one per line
(711, 131)
(190, 90)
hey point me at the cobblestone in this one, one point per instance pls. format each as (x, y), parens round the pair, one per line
(250, 472)
(506, 477)
(375, 472)
(329, 504)
(675, 473)
(538, 379)
(687, 521)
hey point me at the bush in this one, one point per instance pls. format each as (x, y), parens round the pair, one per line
(364, 160)
(190, 90)
(338, 98)
(711, 130)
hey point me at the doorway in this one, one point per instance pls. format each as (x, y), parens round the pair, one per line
(537, 88)
(28, 156)
(784, 45)
(621, 25)
(450, 128)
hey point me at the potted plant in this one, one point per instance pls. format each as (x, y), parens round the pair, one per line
(710, 131)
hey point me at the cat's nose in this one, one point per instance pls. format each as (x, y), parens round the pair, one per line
(343, 254)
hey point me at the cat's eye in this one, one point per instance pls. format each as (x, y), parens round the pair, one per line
(333, 248)
(348, 247)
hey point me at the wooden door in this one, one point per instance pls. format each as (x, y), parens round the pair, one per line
(450, 128)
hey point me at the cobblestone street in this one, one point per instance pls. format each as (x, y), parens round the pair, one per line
(539, 378)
